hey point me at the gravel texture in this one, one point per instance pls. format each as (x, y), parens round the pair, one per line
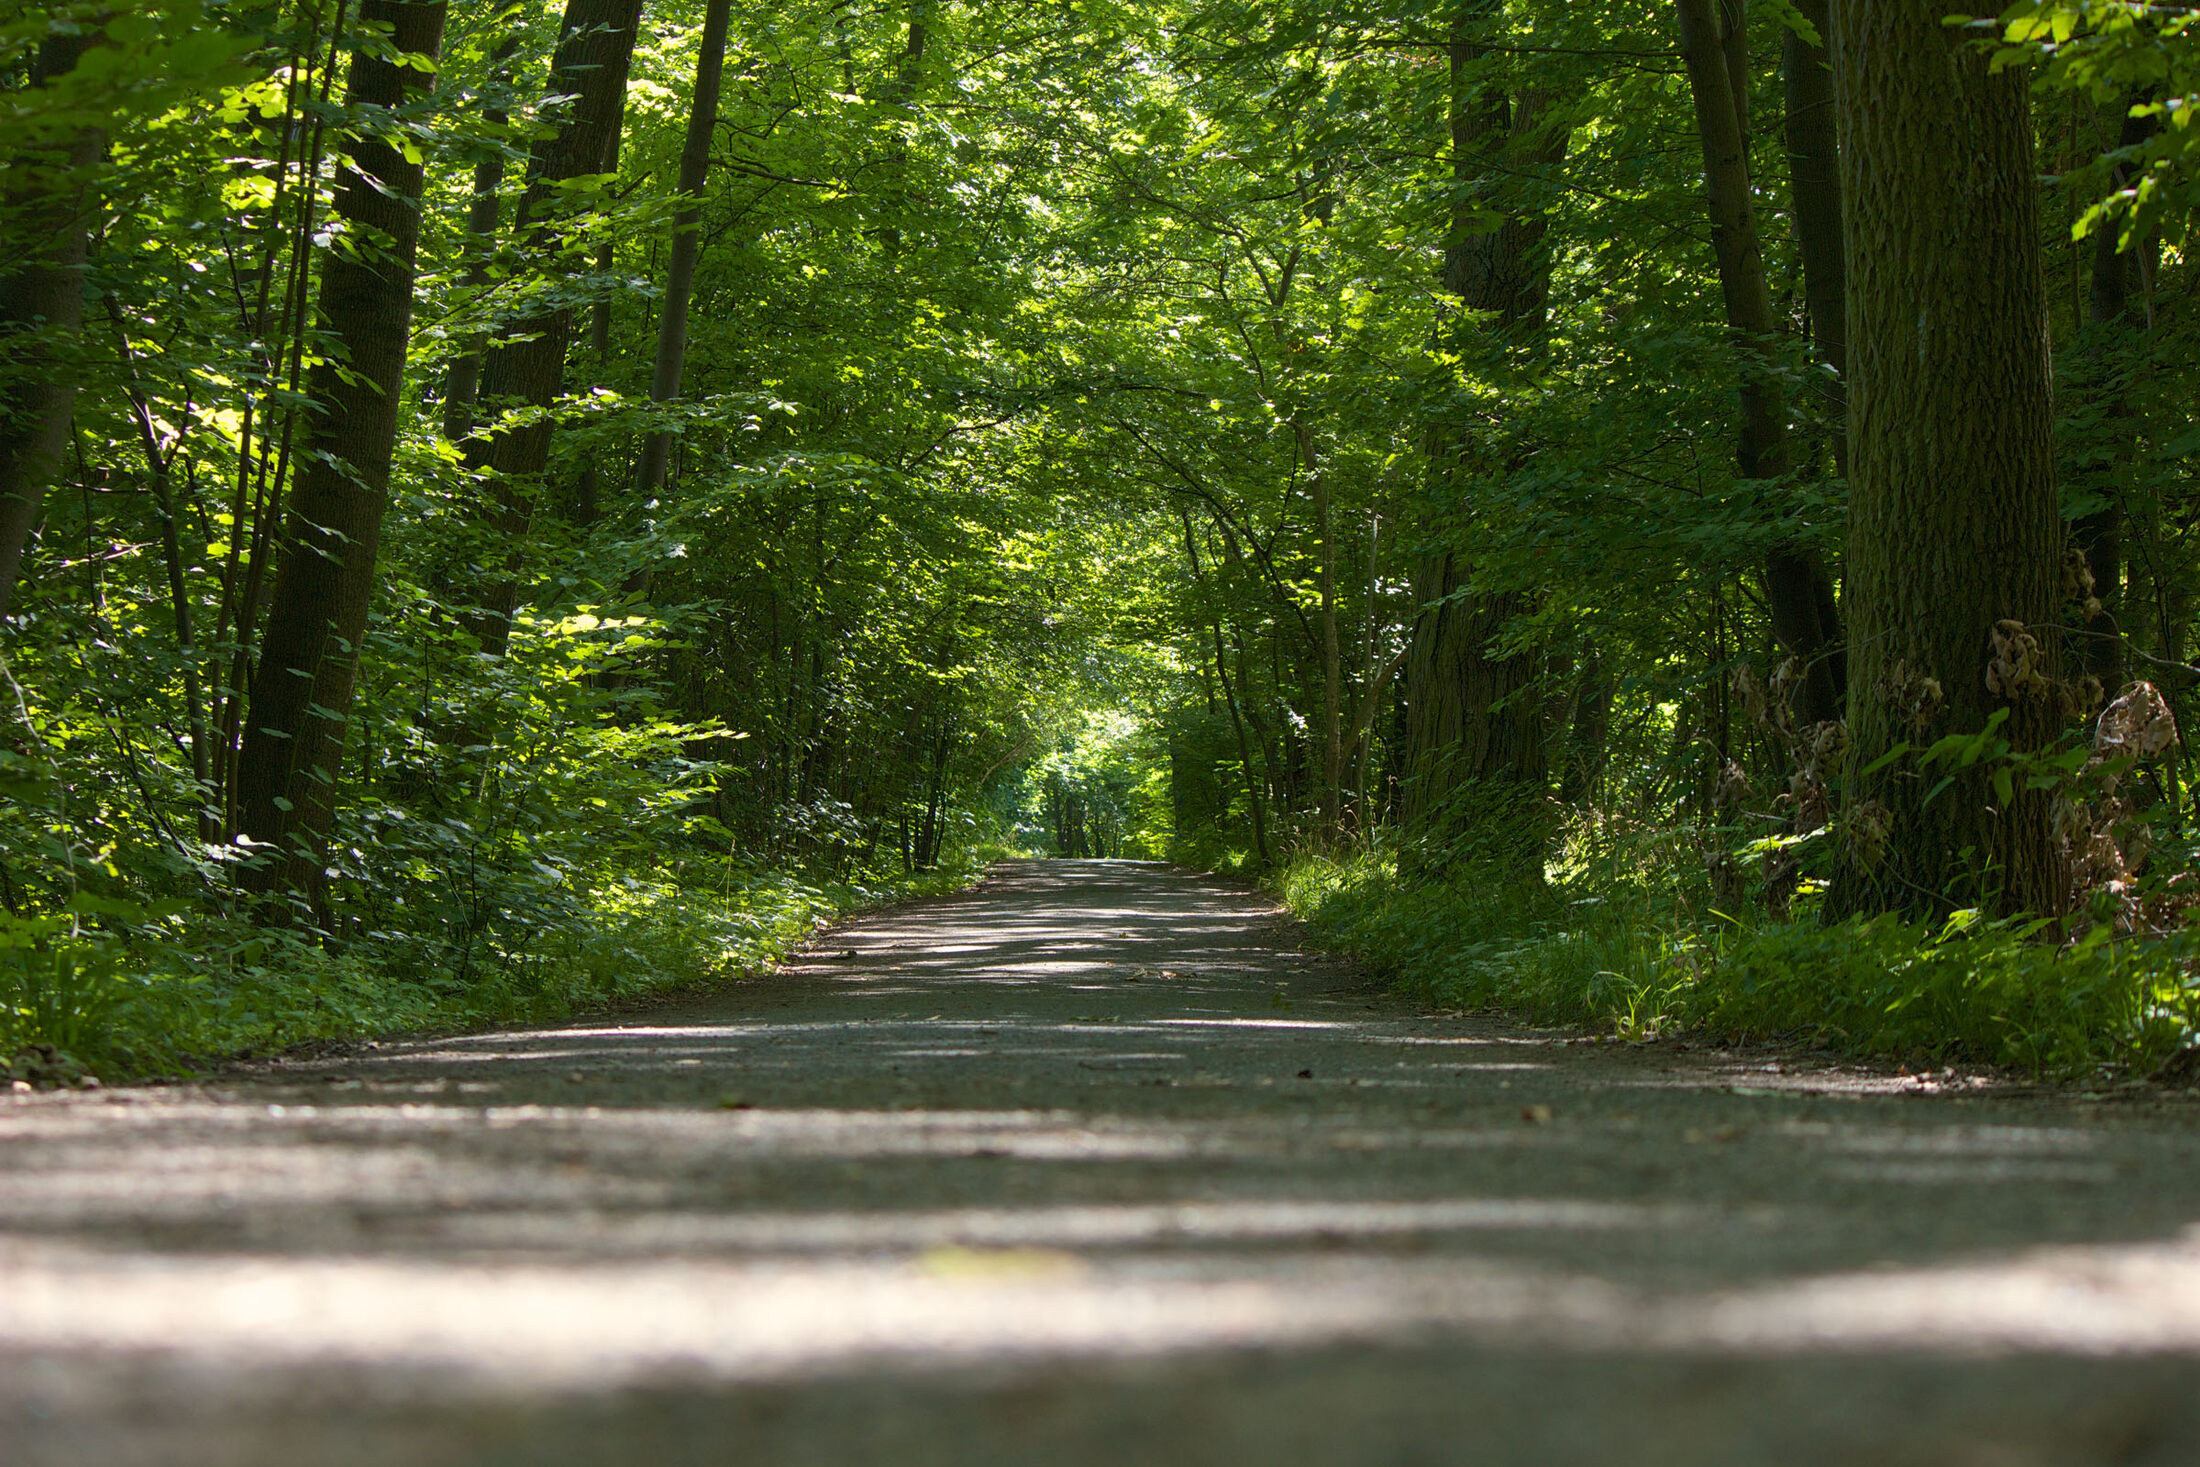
(1092, 1164)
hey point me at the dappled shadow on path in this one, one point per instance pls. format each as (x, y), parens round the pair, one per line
(954, 1186)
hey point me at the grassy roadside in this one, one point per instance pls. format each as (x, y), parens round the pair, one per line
(1634, 957)
(148, 1008)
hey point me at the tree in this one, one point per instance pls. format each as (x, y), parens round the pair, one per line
(2104, 381)
(325, 579)
(672, 324)
(525, 365)
(1955, 542)
(1814, 187)
(1797, 587)
(462, 384)
(49, 203)
(1474, 728)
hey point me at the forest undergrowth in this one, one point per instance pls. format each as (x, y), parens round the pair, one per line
(169, 1004)
(510, 507)
(1622, 937)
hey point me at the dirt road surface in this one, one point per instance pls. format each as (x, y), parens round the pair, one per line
(1091, 1165)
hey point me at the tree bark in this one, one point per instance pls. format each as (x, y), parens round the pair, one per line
(1330, 796)
(462, 385)
(525, 367)
(1469, 720)
(1792, 576)
(672, 325)
(1814, 186)
(1256, 807)
(1955, 535)
(1469, 717)
(1589, 733)
(48, 208)
(324, 582)
(2100, 535)
(588, 487)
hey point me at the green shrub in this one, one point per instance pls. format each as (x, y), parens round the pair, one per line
(1611, 941)
(178, 993)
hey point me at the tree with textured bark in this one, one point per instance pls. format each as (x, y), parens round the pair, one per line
(48, 211)
(1797, 586)
(1472, 719)
(324, 582)
(687, 224)
(525, 366)
(1955, 540)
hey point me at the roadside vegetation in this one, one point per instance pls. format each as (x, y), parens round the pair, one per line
(506, 507)
(1612, 951)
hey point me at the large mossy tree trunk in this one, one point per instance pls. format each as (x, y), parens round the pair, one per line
(1955, 539)
(302, 689)
(44, 234)
(1473, 725)
(525, 365)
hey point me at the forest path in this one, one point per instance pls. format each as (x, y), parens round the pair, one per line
(1089, 1165)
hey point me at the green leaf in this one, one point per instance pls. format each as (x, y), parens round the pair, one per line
(1886, 759)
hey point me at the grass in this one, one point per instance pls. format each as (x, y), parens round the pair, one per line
(206, 990)
(1618, 947)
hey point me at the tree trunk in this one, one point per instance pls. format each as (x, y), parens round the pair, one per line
(1792, 576)
(525, 367)
(1332, 651)
(588, 487)
(2100, 534)
(324, 581)
(1362, 742)
(686, 241)
(908, 74)
(1470, 718)
(1470, 721)
(1955, 538)
(462, 385)
(1814, 185)
(1589, 734)
(1256, 807)
(48, 208)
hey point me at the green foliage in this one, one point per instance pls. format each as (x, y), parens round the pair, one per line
(1103, 791)
(216, 989)
(1052, 472)
(1608, 948)
(2142, 60)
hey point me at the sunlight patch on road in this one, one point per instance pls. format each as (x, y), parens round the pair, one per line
(1143, 1225)
(601, 1326)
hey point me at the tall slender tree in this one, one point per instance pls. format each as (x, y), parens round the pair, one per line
(2104, 375)
(1794, 578)
(462, 382)
(1955, 539)
(324, 581)
(43, 245)
(672, 324)
(525, 365)
(1814, 189)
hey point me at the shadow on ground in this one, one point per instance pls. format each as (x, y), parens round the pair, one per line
(1090, 1164)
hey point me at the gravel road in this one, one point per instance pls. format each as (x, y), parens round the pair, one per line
(1092, 1164)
